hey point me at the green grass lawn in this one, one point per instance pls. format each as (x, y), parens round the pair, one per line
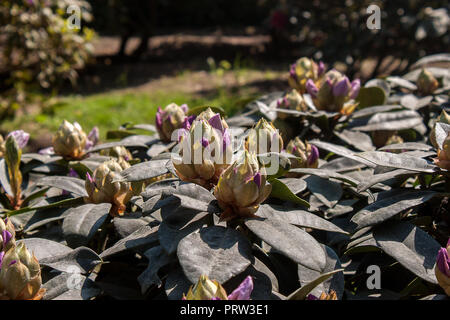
(110, 110)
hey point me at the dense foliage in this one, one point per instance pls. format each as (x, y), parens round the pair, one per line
(357, 176)
(39, 49)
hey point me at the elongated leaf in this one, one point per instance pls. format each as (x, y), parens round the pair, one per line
(339, 150)
(297, 217)
(411, 102)
(144, 237)
(327, 174)
(359, 140)
(335, 283)
(342, 165)
(130, 223)
(145, 170)
(131, 141)
(70, 184)
(217, 252)
(158, 148)
(281, 191)
(35, 195)
(295, 185)
(119, 134)
(384, 209)
(292, 241)
(327, 191)
(81, 259)
(303, 292)
(374, 110)
(40, 218)
(144, 126)
(399, 161)
(402, 83)
(57, 204)
(43, 248)
(412, 247)
(82, 223)
(407, 146)
(439, 57)
(70, 286)
(377, 178)
(398, 120)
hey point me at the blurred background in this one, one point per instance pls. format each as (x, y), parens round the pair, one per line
(130, 56)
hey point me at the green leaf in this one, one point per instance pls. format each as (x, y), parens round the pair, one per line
(371, 96)
(302, 293)
(119, 134)
(34, 195)
(63, 203)
(81, 169)
(282, 192)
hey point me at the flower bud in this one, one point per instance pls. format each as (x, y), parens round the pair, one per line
(241, 188)
(311, 88)
(264, 138)
(70, 141)
(442, 269)
(206, 289)
(324, 296)
(443, 159)
(307, 156)
(355, 87)
(342, 87)
(214, 119)
(205, 151)
(104, 186)
(244, 290)
(20, 136)
(291, 100)
(335, 93)
(444, 118)
(302, 70)
(20, 275)
(426, 82)
(169, 119)
(92, 138)
(7, 235)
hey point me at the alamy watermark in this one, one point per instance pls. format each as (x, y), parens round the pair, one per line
(373, 282)
(74, 19)
(374, 20)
